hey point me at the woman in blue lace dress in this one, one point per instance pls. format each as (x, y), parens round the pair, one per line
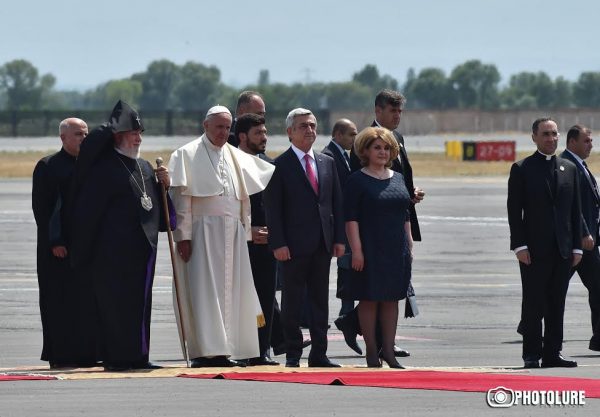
(378, 228)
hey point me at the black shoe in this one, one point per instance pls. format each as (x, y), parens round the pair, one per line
(558, 362)
(292, 363)
(145, 365)
(349, 335)
(117, 367)
(400, 353)
(224, 362)
(530, 364)
(260, 361)
(393, 363)
(594, 345)
(62, 365)
(215, 362)
(322, 363)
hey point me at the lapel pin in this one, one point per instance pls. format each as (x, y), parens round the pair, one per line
(562, 168)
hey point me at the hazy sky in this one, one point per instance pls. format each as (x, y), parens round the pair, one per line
(83, 43)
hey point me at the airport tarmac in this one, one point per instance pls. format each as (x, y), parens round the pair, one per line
(468, 291)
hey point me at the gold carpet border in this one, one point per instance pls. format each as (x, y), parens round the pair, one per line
(171, 371)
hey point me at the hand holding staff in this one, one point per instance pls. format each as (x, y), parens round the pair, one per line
(163, 177)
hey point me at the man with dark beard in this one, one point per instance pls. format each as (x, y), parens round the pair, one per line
(251, 132)
(117, 215)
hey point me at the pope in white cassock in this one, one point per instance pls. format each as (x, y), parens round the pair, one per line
(211, 182)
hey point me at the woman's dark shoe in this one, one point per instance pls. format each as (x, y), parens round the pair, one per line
(393, 363)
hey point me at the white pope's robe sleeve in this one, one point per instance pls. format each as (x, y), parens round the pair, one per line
(183, 210)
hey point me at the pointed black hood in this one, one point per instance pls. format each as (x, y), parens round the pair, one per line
(125, 118)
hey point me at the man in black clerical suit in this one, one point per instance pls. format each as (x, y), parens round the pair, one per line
(303, 203)
(389, 105)
(251, 133)
(579, 146)
(544, 215)
(117, 214)
(63, 342)
(248, 102)
(342, 138)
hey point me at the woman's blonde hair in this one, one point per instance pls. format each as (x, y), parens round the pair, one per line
(367, 136)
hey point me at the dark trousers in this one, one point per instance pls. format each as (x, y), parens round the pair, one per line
(589, 272)
(544, 283)
(263, 267)
(344, 279)
(311, 273)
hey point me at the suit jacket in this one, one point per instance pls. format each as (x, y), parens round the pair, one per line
(402, 166)
(296, 216)
(590, 200)
(343, 170)
(544, 213)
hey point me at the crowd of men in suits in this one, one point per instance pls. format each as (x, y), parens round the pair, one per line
(289, 211)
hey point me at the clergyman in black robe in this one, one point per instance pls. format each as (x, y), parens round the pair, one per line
(65, 342)
(117, 214)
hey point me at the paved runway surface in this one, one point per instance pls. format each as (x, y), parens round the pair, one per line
(468, 290)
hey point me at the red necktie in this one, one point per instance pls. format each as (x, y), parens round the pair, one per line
(310, 174)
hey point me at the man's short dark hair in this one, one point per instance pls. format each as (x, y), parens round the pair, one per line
(247, 121)
(577, 130)
(245, 97)
(536, 123)
(391, 97)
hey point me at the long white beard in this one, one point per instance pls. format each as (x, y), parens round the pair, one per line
(130, 153)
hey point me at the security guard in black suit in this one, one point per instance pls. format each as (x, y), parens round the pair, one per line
(579, 146)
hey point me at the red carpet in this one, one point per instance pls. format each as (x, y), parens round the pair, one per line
(431, 380)
(24, 377)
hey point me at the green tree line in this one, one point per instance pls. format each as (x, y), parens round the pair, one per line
(165, 85)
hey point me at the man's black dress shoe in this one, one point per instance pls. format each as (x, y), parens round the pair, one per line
(349, 335)
(400, 353)
(530, 364)
(594, 345)
(261, 360)
(322, 363)
(62, 365)
(145, 365)
(558, 362)
(215, 362)
(292, 363)
(117, 367)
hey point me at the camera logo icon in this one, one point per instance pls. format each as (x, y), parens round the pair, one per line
(500, 397)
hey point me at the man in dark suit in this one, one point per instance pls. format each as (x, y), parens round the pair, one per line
(251, 133)
(248, 102)
(303, 203)
(544, 215)
(579, 146)
(388, 111)
(342, 139)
